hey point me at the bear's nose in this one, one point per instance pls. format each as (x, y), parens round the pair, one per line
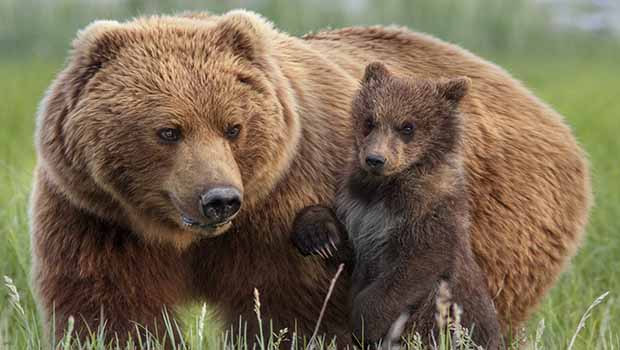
(375, 162)
(220, 204)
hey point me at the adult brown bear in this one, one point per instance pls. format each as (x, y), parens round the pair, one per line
(160, 128)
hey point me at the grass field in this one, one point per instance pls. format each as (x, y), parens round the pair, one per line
(585, 90)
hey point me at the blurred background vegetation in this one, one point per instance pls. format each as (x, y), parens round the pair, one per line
(566, 51)
(44, 27)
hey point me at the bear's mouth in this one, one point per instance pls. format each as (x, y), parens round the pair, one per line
(189, 222)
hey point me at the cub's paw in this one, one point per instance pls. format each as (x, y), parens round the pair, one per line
(316, 231)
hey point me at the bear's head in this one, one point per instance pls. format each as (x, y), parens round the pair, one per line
(402, 123)
(170, 125)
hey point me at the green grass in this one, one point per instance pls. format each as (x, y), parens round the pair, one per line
(585, 90)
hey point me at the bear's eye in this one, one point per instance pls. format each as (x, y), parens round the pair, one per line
(233, 132)
(407, 129)
(170, 135)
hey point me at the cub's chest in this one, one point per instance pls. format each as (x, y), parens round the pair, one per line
(369, 225)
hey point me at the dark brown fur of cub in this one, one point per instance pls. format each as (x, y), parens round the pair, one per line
(405, 210)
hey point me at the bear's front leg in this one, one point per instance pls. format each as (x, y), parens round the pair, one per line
(100, 274)
(98, 301)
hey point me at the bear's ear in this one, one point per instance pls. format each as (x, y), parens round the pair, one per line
(95, 45)
(455, 89)
(375, 71)
(246, 33)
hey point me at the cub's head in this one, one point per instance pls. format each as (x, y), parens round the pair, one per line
(404, 122)
(169, 125)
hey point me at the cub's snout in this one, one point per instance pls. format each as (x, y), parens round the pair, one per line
(375, 162)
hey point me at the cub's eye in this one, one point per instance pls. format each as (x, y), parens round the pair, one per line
(170, 135)
(233, 132)
(407, 129)
(369, 124)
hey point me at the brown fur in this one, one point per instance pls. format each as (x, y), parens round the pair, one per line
(407, 220)
(107, 237)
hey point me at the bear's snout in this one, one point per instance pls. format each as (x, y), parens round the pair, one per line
(220, 204)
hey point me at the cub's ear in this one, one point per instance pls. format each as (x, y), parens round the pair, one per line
(455, 89)
(375, 71)
(246, 33)
(94, 46)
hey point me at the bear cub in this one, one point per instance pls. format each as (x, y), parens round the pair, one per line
(400, 219)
